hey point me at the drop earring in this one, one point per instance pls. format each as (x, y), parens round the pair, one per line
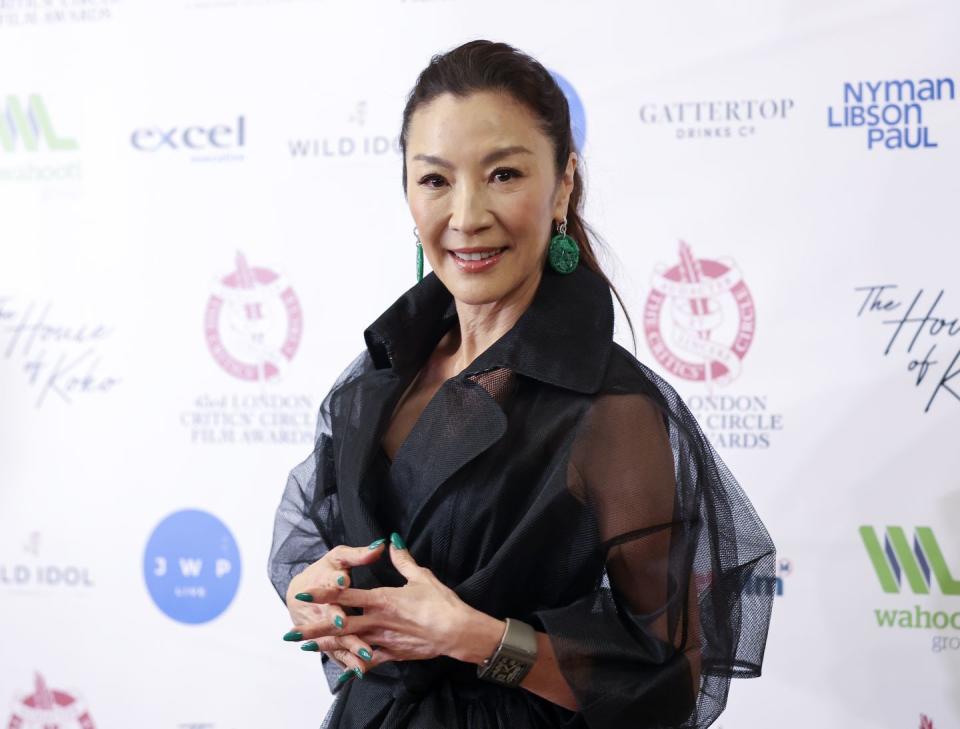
(564, 252)
(419, 256)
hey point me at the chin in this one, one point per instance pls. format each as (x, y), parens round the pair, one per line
(477, 292)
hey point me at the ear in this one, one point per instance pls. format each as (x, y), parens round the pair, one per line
(565, 188)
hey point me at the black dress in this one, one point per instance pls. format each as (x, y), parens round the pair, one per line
(556, 480)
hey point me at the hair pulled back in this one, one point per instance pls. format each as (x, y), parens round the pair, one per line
(483, 65)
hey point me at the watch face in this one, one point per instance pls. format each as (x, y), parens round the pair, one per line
(507, 670)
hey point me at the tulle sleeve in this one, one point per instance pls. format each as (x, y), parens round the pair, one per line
(684, 601)
(307, 523)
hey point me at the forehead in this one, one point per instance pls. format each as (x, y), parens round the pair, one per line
(473, 123)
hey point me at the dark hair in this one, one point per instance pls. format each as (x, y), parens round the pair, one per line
(482, 65)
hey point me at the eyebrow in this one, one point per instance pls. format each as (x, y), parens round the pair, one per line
(494, 156)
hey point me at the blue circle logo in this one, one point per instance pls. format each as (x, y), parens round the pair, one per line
(578, 119)
(192, 566)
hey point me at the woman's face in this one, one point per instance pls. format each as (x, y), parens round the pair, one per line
(481, 178)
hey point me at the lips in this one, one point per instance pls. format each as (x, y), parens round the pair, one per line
(470, 265)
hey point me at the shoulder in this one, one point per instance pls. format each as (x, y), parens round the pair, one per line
(627, 376)
(360, 365)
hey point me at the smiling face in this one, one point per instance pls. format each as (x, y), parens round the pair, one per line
(481, 177)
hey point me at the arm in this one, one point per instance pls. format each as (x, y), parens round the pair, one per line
(629, 650)
(480, 637)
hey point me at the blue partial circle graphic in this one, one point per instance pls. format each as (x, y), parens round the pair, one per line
(578, 118)
(192, 566)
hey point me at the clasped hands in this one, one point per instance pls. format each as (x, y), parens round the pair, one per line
(422, 619)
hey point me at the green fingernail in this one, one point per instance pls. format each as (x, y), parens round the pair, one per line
(338, 621)
(397, 541)
(358, 672)
(305, 596)
(364, 654)
(310, 646)
(346, 676)
(374, 545)
(293, 635)
(341, 580)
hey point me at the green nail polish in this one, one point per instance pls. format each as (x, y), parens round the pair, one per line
(293, 635)
(397, 541)
(310, 646)
(341, 580)
(364, 654)
(374, 545)
(338, 621)
(305, 596)
(358, 672)
(346, 676)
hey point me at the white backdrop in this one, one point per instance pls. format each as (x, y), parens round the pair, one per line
(188, 188)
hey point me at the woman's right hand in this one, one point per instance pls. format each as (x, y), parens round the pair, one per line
(331, 571)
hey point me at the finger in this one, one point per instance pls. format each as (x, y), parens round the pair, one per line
(343, 557)
(350, 596)
(360, 648)
(402, 559)
(326, 591)
(333, 622)
(369, 627)
(350, 662)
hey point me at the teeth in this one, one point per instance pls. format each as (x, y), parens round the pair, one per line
(475, 256)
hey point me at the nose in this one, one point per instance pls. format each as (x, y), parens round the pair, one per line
(470, 213)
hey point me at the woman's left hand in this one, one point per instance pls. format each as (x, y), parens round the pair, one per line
(421, 620)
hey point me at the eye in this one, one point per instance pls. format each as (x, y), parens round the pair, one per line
(509, 172)
(430, 180)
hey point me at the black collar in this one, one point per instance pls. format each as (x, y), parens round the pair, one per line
(563, 338)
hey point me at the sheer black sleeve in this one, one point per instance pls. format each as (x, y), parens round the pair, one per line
(677, 612)
(307, 522)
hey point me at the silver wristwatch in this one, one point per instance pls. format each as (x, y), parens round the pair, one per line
(513, 658)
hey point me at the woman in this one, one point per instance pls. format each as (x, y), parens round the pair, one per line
(566, 549)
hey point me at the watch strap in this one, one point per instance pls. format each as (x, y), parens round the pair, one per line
(514, 657)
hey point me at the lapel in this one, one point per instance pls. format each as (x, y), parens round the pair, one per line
(460, 422)
(358, 422)
(563, 339)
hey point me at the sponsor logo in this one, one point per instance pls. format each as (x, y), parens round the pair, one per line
(31, 13)
(896, 561)
(916, 566)
(721, 119)
(926, 722)
(750, 584)
(699, 322)
(216, 143)
(354, 139)
(60, 361)
(192, 566)
(890, 111)
(28, 127)
(931, 330)
(29, 133)
(50, 709)
(253, 327)
(35, 572)
(699, 318)
(253, 323)
(578, 118)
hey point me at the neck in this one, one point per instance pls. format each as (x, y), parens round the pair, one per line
(483, 324)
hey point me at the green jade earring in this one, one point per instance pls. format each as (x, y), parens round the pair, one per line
(564, 254)
(419, 257)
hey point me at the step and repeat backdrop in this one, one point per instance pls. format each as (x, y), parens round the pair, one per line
(200, 212)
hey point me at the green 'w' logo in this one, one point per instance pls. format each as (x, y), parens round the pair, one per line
(894, 560)
(29, 125)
